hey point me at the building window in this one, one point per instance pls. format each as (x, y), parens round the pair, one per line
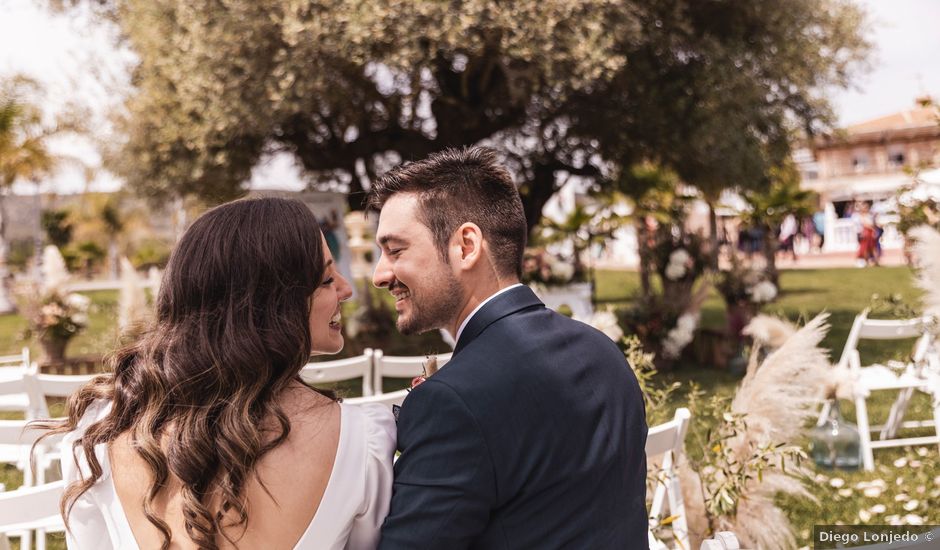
(860, 162)
(896, 157)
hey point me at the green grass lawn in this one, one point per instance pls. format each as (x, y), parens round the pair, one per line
(911, 476)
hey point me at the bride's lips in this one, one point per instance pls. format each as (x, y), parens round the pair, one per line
(336, 321)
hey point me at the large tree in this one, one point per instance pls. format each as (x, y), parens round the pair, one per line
(564, 89)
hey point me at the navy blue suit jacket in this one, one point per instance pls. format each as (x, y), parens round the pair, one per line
(532, 436)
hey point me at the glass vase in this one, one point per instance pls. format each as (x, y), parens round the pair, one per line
(835, 443)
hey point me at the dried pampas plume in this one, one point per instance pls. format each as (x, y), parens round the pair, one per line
(769, 331)
(776, 398)
(54, 272)
(132, 301)
(927, 251)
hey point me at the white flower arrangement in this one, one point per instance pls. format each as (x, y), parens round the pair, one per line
(678, 264)
(679, 256)
(606, 322)
(680, 336)
(762, 292)
(562, 270)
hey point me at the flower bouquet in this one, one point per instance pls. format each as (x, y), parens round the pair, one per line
(54, 315)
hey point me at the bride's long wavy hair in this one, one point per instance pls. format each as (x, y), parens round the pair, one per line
(198, 392)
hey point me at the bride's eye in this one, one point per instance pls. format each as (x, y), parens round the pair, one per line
(327, 282)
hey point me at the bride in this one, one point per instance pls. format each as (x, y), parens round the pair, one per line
(204, 435)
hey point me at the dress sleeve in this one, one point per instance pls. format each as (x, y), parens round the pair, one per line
(380, 443)
(87, 528)
(445, 484)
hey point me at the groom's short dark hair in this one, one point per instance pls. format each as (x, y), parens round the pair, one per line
(455, 186)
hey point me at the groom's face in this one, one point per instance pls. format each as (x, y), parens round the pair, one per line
(427, 294)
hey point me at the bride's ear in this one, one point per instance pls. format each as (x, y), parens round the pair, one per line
(466, 247)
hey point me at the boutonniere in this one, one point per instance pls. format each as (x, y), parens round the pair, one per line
(429, 367)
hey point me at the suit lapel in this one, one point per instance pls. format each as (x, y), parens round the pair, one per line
(505, 304)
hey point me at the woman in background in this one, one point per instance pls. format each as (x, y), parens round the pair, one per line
(204, 435)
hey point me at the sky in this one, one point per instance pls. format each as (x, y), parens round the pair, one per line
(76, 60)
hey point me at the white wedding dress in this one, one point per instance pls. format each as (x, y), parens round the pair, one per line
(350, 514)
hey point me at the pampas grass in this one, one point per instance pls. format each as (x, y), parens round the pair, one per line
(54, 272)
(132, 301)
(777, 400)
(927, 251)
(769, 331)
(774, 403)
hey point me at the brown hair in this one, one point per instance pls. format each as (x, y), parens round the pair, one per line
(231, 332)
(456, 186)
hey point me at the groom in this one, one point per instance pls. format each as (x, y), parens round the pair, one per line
(533, 435)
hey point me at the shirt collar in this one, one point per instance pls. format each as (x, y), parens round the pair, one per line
(476, 309)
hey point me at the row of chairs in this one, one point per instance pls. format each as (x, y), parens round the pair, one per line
(37, 508)
(23, 389)
(373, 367)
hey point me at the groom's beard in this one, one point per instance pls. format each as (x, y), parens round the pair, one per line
(434, 306)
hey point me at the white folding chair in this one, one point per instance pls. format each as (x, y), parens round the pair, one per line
(389, 366)
(10, 367)
(666, 441)
(54, 385)
(904, 378)
(16, 442)
(389, 399)
(16, 360)
(31, 508)
(341, 369)
(723, 540)
(20, 385)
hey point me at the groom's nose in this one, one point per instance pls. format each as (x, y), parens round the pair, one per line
(383, 275)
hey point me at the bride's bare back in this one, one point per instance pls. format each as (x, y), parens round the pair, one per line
(295, 473)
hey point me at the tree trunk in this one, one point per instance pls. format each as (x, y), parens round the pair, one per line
(536, 194)
(712, 237)
(6, 306)
(770, 254)
(642, 236)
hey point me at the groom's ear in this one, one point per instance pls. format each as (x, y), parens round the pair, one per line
(466, 246)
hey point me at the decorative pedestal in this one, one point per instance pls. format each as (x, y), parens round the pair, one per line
(577, 296)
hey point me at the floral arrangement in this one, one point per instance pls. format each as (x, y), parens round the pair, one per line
(606, 322)
(54, 315)
(681, 335)
(679, 264)
(59, 315)
(744, 285)
(542, 267)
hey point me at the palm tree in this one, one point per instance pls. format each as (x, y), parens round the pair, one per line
(23, 154)
(770, 207)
